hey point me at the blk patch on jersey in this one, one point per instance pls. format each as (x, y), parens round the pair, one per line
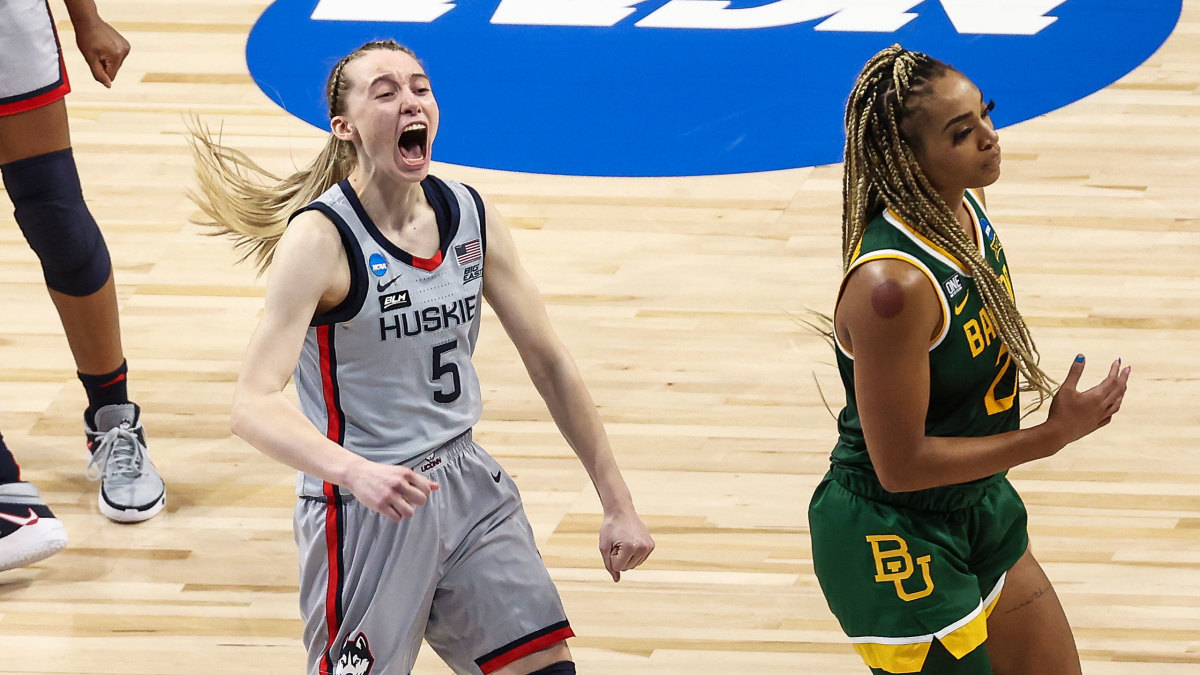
(398, 300)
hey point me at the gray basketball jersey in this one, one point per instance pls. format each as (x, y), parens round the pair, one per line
(387, 374)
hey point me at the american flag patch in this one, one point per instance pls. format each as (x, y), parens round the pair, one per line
(468, 252)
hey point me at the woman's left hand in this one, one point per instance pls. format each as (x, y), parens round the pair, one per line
(103, 48)
(625, 543)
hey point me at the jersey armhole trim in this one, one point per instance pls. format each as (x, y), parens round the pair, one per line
(892, 254)
(925, 244)
(349, 307)
(479, 209)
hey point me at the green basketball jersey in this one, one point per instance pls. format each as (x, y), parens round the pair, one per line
(972, 378)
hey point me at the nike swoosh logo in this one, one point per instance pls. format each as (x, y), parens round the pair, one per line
(21, 522)
(381, 287)
(496, 476)
(959, 307)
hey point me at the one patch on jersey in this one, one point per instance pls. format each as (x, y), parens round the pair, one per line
(356, 658)
(472, 273)
(988, 232)
(953, 286)
(468, 253)
(397, 300)
(377, 265)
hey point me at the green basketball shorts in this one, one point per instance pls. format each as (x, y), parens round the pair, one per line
(902, 569)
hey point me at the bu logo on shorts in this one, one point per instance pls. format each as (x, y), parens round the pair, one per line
(894, 564)
(356, 658)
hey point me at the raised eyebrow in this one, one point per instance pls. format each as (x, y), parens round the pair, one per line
(388, 77)
(380, 78)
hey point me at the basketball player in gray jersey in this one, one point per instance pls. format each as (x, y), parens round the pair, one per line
(407, 529)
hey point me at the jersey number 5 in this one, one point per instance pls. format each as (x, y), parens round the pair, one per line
(442, 369)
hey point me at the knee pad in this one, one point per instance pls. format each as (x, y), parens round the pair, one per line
(560, 668)
(48, 199)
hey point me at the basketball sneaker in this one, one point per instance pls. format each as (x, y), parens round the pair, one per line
(29, 532)
(130, 488)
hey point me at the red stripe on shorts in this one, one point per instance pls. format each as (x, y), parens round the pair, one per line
(333, 548)
(535, 645)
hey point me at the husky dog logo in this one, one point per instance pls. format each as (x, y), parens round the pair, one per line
(356, 658)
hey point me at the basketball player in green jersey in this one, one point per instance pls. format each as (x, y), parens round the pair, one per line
(919, 540)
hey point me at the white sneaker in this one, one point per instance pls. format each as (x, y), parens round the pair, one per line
(29, 532)
(130, 488)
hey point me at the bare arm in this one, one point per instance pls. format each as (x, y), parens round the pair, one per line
(309, 274)
(624, 540)
(887, 313)
(102, 46)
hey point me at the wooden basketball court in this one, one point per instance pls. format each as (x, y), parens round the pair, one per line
(683, 302)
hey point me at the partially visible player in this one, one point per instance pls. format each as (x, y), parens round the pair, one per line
(919, 540)
(42, 182)
(407, 528)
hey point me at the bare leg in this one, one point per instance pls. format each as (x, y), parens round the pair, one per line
(537, 660)
(34, 132)
(93, 328)
(90, 322)
(1028, 632)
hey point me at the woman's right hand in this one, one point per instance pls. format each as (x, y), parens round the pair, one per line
(1075, 414)
(394, 491)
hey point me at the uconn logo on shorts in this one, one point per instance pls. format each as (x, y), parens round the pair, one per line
(692, 87)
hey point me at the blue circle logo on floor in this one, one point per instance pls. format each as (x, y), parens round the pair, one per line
(691, 87)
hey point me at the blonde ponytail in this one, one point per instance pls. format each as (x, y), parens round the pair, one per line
(244, 201)
(251, 205)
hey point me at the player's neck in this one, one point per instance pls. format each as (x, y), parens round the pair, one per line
(391, 204)
(955, 199)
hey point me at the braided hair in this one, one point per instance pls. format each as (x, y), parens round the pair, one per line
(882, 172)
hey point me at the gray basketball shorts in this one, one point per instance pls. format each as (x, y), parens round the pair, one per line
(463, 572)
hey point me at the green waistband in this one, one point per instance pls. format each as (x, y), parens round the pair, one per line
(942, 498)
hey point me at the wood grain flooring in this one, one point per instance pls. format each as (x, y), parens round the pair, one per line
(683, 302)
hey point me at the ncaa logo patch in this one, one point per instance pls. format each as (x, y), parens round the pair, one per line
(691, 87)
(377, 265)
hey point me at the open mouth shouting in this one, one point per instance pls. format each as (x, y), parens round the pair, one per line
(414, 144)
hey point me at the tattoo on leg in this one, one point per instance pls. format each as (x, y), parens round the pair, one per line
(1032, 599)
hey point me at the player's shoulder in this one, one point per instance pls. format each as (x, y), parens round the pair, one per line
(310, 237)
(311, 225)
(896, 273)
